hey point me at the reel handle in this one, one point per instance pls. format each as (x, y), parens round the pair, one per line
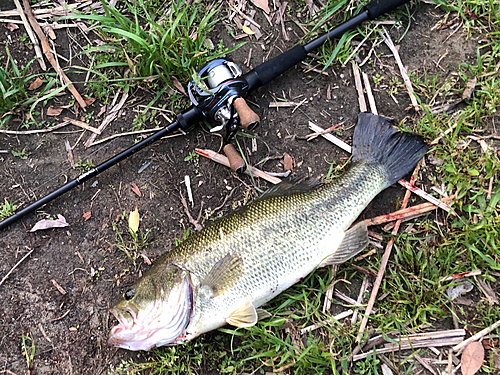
(249, 119)
(236, 162)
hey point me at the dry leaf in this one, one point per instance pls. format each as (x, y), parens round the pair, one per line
(88, 101)
(471, 84)
(136, 189)
(35, 84)
(288, 162)
(178, 85)
(54, 111)
(60, 222)
(12, 26)
(247, 30)
(146, 259)
(496, 360)
(262, 4)
(133, 220)
(87, 215)
(386, 370)
(472, 358)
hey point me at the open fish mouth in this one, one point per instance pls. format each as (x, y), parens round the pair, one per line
(163, 323)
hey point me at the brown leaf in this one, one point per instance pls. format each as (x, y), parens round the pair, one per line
(88, 101)
(262, 4)
(288, 162)
(496, 360)
(136, 189)
(471, 84)
(87, 215)
(146, 259)
(60, 222)
(178, 85)
(35, 84)
(472, 358)
(54, 111)
(12, 26)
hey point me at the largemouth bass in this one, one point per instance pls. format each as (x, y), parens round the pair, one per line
(224, 273)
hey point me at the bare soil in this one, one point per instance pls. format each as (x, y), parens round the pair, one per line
(70, 330)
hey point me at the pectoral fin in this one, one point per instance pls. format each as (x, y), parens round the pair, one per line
(223, 274)
(355, 240)
(263, 314)
(244, 316)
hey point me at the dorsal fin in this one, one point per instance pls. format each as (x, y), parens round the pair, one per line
(291, 186)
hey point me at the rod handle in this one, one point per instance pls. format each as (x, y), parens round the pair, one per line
(249, 119)
(236, 162)
(378, 7)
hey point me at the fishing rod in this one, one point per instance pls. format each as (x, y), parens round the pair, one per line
(218, 96)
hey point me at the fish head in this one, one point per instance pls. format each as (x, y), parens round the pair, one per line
(155, 311)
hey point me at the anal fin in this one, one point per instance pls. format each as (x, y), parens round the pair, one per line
(244, 316)
(355, 240)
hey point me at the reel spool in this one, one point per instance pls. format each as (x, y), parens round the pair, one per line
(221, 86)
(219, 93)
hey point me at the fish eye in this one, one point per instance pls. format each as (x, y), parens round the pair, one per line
(129, 294)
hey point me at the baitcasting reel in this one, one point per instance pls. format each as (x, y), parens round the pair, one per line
(219, 92)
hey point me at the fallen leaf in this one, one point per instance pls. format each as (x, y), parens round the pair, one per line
(136, 189)
(146, 259)
(386, 370)
(60, 222)
(133, 220)
(12, 26)
(262, 4)
(54, 111)
(117, 218)
(288, 162)
(472, 358)
(471, 84)
(88, 101)
(247, 30)
(87, 215)
(462, 287)
(178, 85)
(35, 84)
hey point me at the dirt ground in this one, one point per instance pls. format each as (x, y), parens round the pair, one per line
(70, 330)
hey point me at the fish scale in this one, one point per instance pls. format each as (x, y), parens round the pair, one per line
(225, 272)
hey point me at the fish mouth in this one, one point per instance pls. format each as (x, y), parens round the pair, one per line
(163, 323)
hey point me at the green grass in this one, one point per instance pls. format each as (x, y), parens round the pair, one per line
(8, 208)
(152, 41)
(15, 98)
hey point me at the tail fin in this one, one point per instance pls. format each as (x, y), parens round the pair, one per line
(375, 140)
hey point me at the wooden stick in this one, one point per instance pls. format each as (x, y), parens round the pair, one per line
(344, 146)
(385, 260)
(406, 214)
(369, 93)
(359, 88)
(32, 36)
(387, 39)
(50, 55)
(82, 124)
(476, 337)
(426, 196)
(113, 113)
(221, 159)
(419, 340)
(17, 264)
(28, 132)
(362, 290)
